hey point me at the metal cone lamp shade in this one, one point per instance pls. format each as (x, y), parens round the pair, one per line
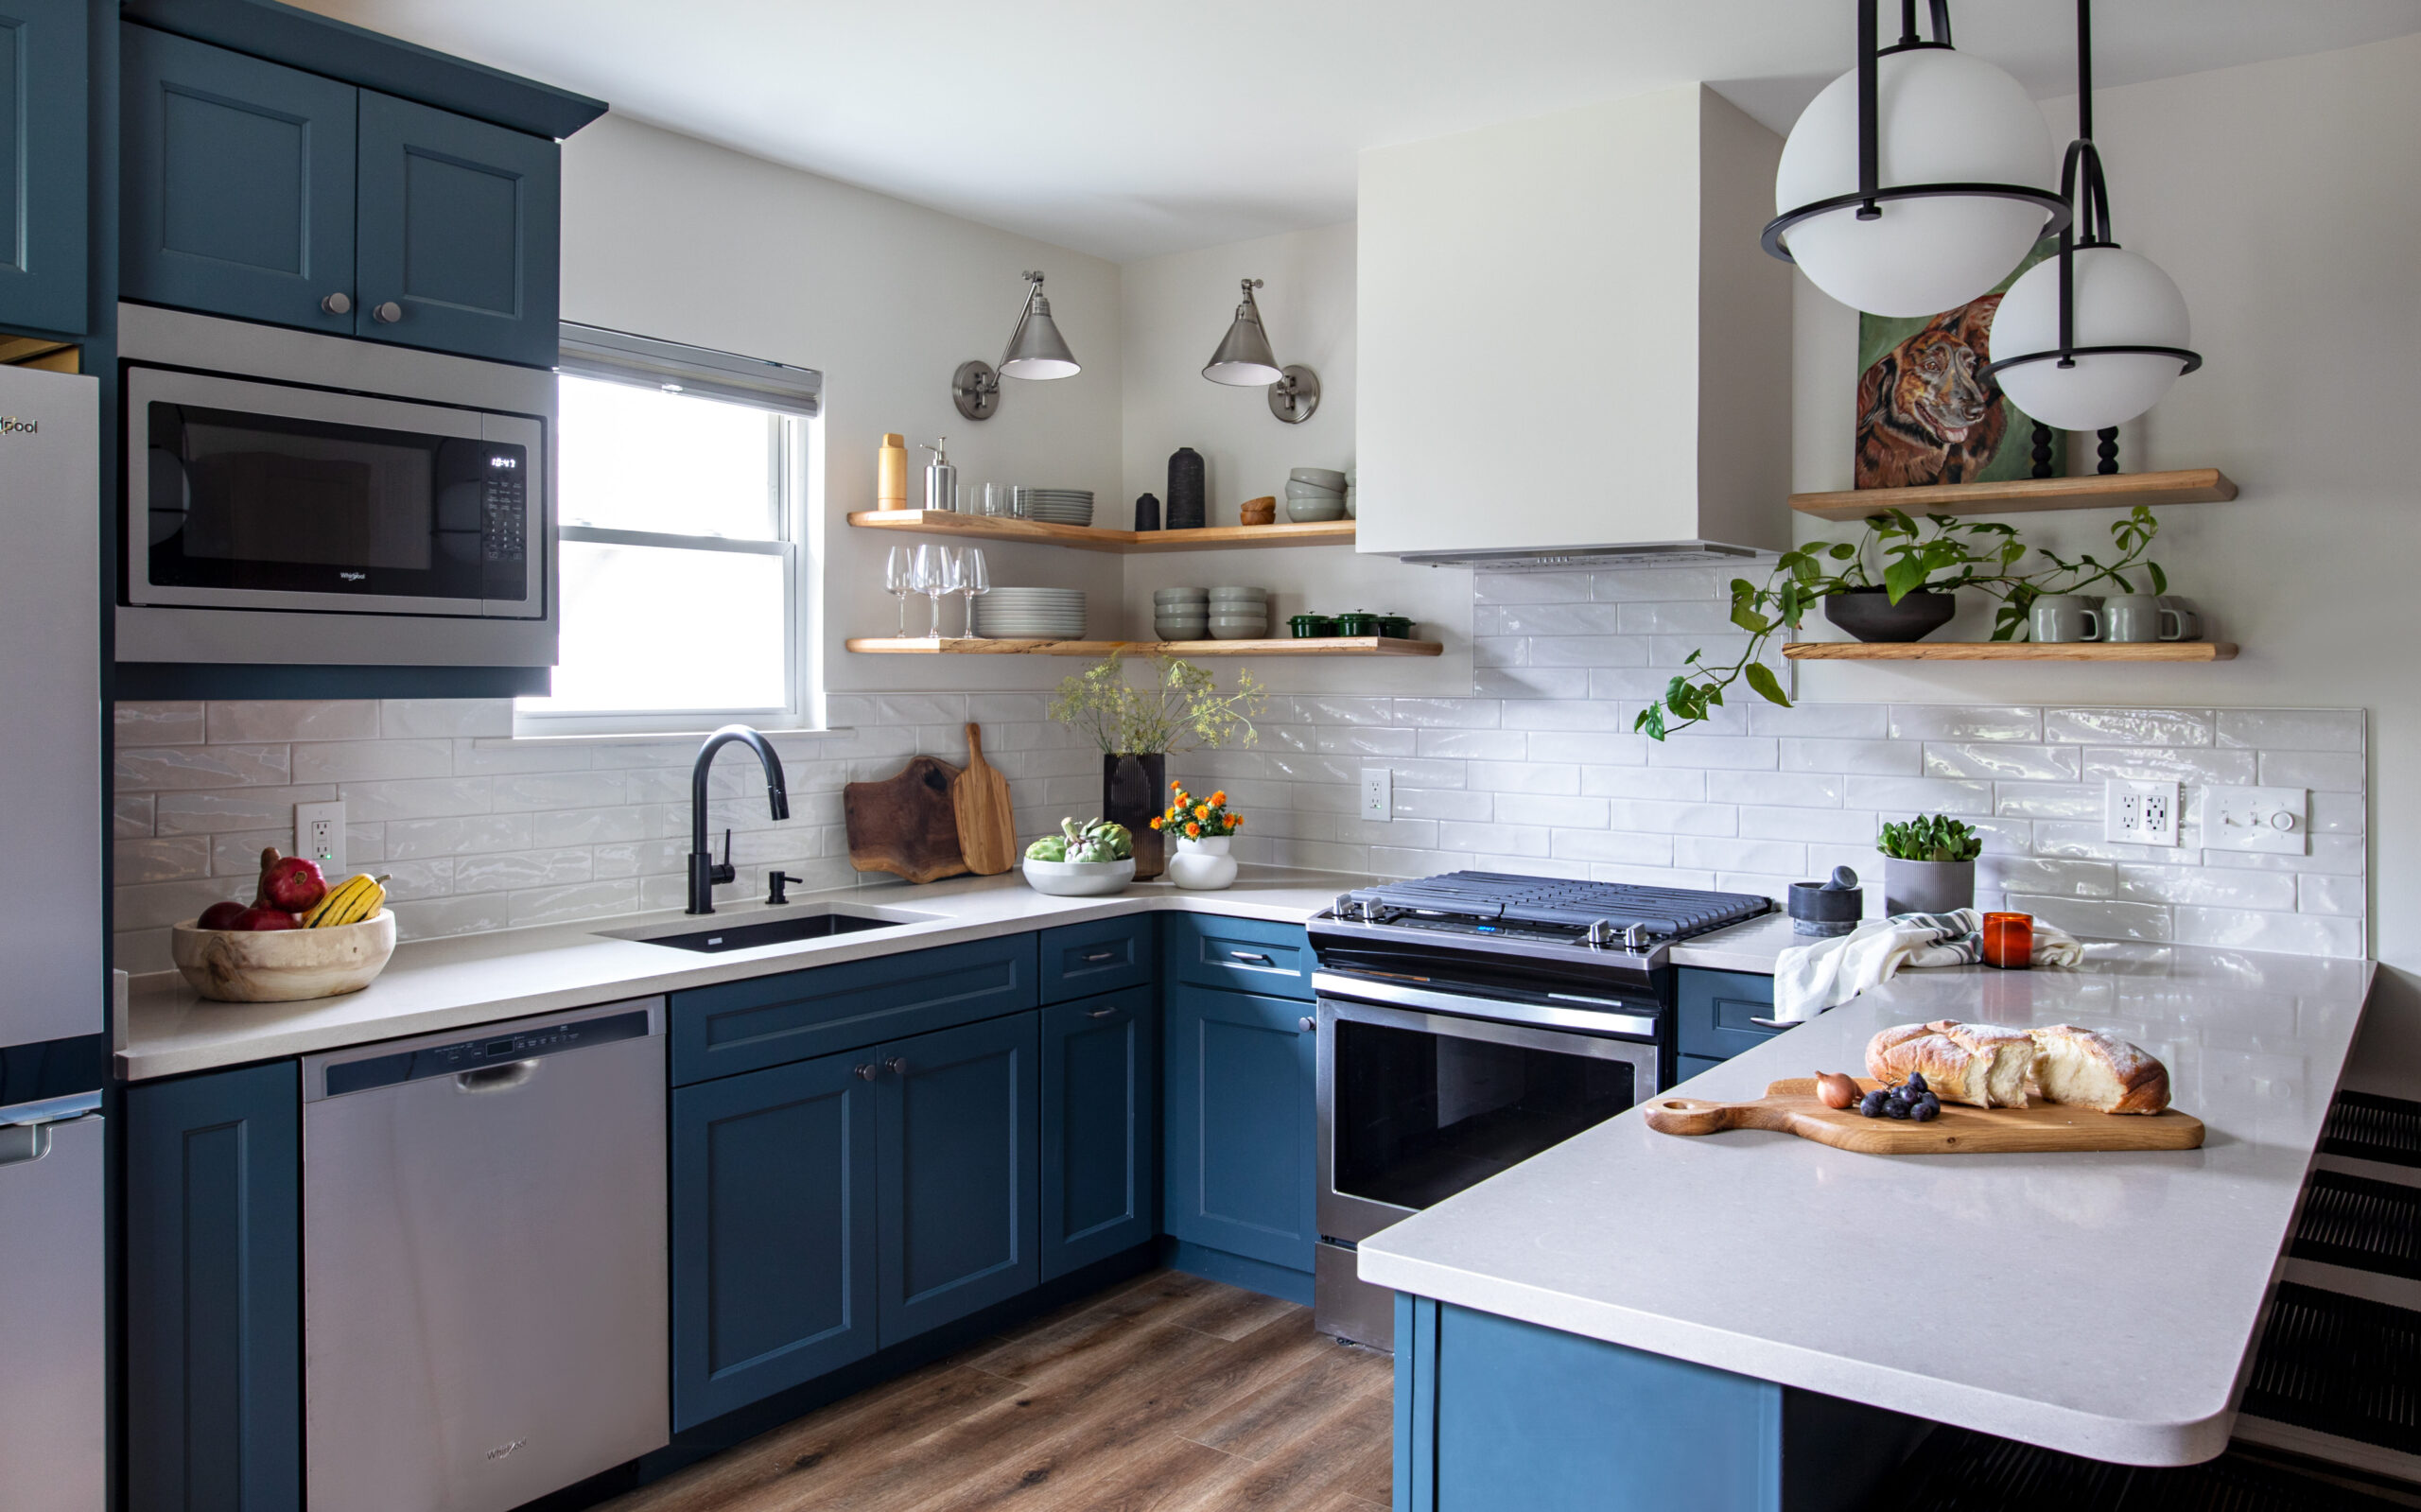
(1035, 348)
(1244, 358)
(1887, 207)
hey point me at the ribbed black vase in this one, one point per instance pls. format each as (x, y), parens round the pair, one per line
(1185, 490)
(1147, 512)
(1134, 789)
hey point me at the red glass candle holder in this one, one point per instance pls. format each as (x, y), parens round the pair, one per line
(2008, 941)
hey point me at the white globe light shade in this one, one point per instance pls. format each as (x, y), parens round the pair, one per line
(1941, 117)
(2121, 300)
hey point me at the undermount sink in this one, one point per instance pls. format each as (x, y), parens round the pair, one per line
(746, 935)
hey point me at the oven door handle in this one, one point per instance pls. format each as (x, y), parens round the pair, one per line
(1472, 1017)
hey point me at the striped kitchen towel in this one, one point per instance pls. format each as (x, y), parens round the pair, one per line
(1810, 978)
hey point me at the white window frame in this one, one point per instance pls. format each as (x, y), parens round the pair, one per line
(794, 396)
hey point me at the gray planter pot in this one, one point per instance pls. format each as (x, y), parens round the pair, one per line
(1927, 887)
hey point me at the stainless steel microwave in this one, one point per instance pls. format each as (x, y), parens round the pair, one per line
(296, 497)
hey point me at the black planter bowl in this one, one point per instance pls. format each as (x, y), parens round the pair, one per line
(1870, 614)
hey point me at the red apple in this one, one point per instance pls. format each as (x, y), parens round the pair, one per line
(267, 919)
(293, 883)
(220, 916)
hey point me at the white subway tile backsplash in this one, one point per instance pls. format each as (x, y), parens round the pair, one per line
(1521, 776)
(2292, 729)
(1832, 721)
(1835, 826)
(1803, 789)
(182, 813)
(1599, 748)
(503, 871)
(2127, 726)
(138, 723)
(1954, 721)
(131, 815)
(2040, 877)
(1443, 802)
(2292, 933)
(1648, 816)
(570, 789)
(1897, 797)
(1714, 752)
(2315, 894)
(1531, 682)
(168, 768)
(1771, 857)
(160, 858)
(2320, 770)
(444, 717)
(2212, 886)
(2104, 918)
(418, 798)
(1672, 784)
(1563, 813)
(2168, 763)
(1447, 713)
(2047, 800)
(2004, 760)
(357, 760)
(1627, 848)
(293, 720)
(1479, 745)
(1881, 758)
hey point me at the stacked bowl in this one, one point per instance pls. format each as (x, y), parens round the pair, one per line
(1030, 613)
(1239, 614)
(1181, 614)
(1314, 494)
(1056, 506)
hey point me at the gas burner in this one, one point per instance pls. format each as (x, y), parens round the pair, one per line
(1602, 915)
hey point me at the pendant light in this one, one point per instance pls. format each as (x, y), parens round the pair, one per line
(1916, 181)
(1244, 361)
(2096, 334)
(1036, 350)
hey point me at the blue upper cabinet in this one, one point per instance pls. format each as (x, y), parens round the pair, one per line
(1240, 1124)
(44, 227)
(237, 182)
(457, 232)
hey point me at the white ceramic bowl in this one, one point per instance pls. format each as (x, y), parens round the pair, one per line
(283, 965)
(1078, 879)
(1314, 509)
(1328, 477)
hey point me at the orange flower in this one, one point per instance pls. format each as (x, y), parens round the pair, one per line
(1156, 821)
(1202, 810)
(1235, 822)
(1220, 797)
(1193, 829)
(1177, 786)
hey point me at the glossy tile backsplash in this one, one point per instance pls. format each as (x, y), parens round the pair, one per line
(1537, 770)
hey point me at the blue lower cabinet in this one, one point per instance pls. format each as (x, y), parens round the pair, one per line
(774, 1216)
(1100, 1128)
(1718, 1012)
(45, 127)
(1692, 1065)
(214, 1291)
(1238, 1094)
(956, 1132)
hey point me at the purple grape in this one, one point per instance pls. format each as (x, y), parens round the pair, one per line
(1872, 1103)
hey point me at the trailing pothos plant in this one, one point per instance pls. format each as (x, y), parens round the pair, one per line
(1942, 555)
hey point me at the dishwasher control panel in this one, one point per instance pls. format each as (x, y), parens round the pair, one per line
(473, 1055)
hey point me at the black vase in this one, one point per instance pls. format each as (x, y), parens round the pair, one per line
(1185, 490)
(1134, 791)
(1147, 512)
(1870, 614)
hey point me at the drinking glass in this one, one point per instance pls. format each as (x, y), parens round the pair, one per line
(998, 502)
(974, 580)
(932, 578)
(898, 579)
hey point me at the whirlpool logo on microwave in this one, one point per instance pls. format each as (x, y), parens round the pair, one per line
(12, 425)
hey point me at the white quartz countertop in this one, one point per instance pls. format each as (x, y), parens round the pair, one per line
(2103, 1304)
(1750, 946)
(434, 985)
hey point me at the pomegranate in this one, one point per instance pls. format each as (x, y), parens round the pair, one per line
(267, 919)
(220, 916)
(293, 883)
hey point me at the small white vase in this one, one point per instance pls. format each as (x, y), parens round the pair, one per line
(1203, 864)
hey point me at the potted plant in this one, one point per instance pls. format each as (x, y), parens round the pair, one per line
(1928, 864)
(1178, 707)
(1204, 829)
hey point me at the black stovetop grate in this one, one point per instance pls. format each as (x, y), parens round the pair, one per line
(1499, 897)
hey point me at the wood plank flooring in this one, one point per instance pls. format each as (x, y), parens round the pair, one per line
(1165, 1394)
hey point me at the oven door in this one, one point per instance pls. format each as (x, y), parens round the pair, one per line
(1418, 1103)
(243, 494)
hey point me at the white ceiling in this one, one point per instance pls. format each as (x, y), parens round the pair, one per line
(1153, 126)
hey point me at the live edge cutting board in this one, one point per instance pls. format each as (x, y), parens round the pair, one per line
(905, 823)
(1791, 1107)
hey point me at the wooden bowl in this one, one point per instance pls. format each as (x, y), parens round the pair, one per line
(283, 965)
(1262, 511)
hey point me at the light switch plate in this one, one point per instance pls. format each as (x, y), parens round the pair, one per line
(2276, 820)
(2140, 813)
(1377, 793)
(319, 834)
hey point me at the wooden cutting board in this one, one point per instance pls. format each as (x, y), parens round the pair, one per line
(906, 824)
(986, 833)
(1791, 1107)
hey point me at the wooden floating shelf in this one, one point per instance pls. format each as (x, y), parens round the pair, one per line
(2011, 651)
(1310, 646)
(1092, 538)
(2019, 495)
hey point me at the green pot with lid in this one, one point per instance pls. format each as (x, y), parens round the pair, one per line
(1307, 627)
(1358, 622)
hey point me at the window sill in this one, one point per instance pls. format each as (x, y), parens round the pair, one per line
(506, 742)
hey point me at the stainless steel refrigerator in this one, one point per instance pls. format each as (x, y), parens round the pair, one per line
(53, 956)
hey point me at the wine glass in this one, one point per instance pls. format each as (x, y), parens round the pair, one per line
(974, 579)
(930, 577)
(898, 579)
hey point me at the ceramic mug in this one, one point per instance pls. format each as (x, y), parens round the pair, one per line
(2057, 618)
(2189, 618)
(2140, 616)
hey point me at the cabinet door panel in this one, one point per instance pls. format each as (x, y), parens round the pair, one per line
(214, 1291)
(44, 219)
(1100, 1117)
(1240, 1130)
(238, 184)
(959, 1166)
(774, 1215)
(1719, 1011)
(458, 230)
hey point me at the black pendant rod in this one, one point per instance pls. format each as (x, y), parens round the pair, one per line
(1870, 130)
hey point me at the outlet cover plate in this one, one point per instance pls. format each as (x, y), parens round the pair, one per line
(2276, 820)
(2140, 813)
(319, 833)
(1378, 794)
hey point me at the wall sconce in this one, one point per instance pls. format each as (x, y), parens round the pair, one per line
(1244, 361)
(1035, 351)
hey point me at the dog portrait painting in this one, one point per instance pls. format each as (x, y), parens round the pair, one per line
(1927, 410)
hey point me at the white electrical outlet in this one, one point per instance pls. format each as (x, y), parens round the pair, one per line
(1377, 793)
(2268, 819)
(2140, 813)
(318, 835)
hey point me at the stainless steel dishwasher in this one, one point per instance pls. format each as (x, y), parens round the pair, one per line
(483, 1262)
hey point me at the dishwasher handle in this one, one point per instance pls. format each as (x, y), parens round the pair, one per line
(496, 1078)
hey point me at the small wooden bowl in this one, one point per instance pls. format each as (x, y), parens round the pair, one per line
(1262, 510)
(283, 965)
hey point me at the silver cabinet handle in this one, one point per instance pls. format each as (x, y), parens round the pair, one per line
(1776, 1023)
(1253, 956)
(898, 1065)
(1102, 955)
(388, 314)
(497, 1078)
(865, 1073)
(337, 304)
(1100, 1012)
(1307, 1025)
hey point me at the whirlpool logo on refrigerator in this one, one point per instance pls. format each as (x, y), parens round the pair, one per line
(502, 1450)
(12, 425)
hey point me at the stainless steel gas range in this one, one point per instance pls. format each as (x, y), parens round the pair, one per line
(1468, 1022)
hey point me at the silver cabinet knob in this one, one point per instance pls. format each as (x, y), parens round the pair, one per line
(388, 314)
(865, 1072)
(1307, 1025)
(337, 304)
(898, 1065)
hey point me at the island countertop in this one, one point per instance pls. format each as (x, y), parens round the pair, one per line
(2103, 1304)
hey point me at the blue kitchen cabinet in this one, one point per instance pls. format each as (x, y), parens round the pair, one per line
(1100, 1128)
(774, 1230)
(237, 185)
(44, 128)
(455, 233)
(955, 1137)
(1718, 1012)
(1238, 1094)
(214, 1291)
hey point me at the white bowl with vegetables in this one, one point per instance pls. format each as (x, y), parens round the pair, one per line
(1082, 860)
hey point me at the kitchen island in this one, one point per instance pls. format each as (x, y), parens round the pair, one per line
(1750, 1320)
